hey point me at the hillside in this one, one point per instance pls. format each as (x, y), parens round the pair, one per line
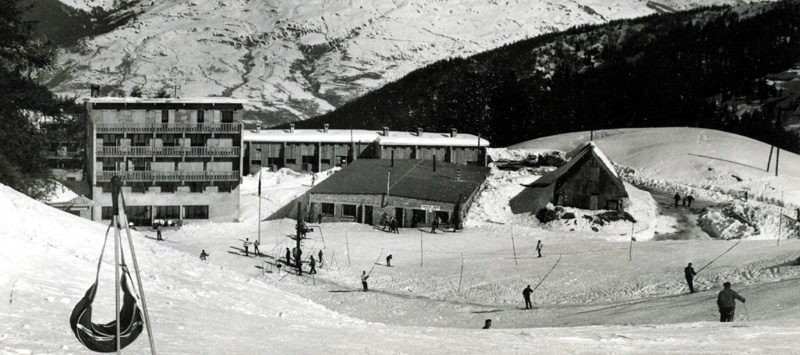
(297, 60)
(732, 69)
(594, 301)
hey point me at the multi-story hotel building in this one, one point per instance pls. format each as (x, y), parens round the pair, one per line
(179, 159)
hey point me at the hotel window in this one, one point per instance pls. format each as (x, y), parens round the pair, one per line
(195, 212)
(227, 116)
(164, 116)
(201, 116)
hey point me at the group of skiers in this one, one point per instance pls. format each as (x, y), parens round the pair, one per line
(389, 223)
(686, 200)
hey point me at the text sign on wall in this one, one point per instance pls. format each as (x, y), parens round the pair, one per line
(430, 207)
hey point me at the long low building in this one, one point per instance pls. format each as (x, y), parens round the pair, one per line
(322, 149)
(414, 191)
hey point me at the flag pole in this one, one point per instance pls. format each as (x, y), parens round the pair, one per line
(259, 204)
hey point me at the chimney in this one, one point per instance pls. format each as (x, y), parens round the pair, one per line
(95, 90)
(419, 131)
(392, 158)
(258, 128)
(434, 162)
(385, 131)
(453, 132)
(325, 128)
(291, 128)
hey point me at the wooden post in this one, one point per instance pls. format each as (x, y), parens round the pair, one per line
(769, 160)
(346, 240)
(777, 159)
(461, 276)
(420, 249)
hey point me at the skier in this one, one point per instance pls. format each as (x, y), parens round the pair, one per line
(677, 199)
(689, 201)
(288, 257)
(726, 301)
(320, 257)
(246, 245)
(203, 255)
(689, 271)
(312, 263)
(299, 258)
(393, 226)
(158, 233)
(255, 248)
(487, 324)
(539, 247)
(434, 225)
(364, 278)
(313, 180)
(389, 260)
(385, 222)
(527, 294)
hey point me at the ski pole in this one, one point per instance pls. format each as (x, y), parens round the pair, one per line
(376, 263)
(712, 261)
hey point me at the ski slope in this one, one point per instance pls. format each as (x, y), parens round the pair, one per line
(594, 301)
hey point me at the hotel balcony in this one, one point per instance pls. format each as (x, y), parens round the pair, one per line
(168, 127)
(120, 151)
(169, 175)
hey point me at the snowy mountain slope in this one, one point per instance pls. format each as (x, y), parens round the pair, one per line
(299, 59)
(693, 157)
(595, 300)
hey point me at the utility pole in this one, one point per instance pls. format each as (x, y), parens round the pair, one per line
(301, 229)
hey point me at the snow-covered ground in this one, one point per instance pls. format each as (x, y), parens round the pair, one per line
(603, 296)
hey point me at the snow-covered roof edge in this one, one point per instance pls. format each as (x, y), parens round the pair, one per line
(360, 135)
(187, 100)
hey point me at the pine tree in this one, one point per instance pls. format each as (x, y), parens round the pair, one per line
(23, 164)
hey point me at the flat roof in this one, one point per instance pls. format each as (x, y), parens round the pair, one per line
(411, 178)
(168, 100)
(361, 135)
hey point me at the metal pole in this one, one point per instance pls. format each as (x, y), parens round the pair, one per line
(259, 206)
(630, 250)
(116, 280)
(780, 217)
(513, 247)
(769, 160)
(777, 159)
(420, 249)
(462, 273)
(346, 240)
(375, 263)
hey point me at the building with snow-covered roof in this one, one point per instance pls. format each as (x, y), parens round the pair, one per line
(587, 181)
(322, 149)
(413, 191)
(178, 158)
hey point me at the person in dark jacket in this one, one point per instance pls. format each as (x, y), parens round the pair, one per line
(320, 257)
(393, 226)
(255, 247)
(487, 324)
(527, 294)
(726, 301)
(689, 201)
(677, 199)
(434, 225)
(158, 232)
(288, 257)
(312, 263)
(203, 255)
(389, 260)
(539, 247)
(689, 273)
(364, 278)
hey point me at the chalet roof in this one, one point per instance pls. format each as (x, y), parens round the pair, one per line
(80, 201)
(410, 178)
(577, 155)
(364, 136)
(187, 100)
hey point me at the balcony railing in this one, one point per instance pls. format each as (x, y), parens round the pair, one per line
(119, 151)
(168, 127)
(170, 175)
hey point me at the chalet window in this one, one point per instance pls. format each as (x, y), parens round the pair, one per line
(227, 116)
(140, 140)
(291, 161)
(201, 116)
(255, 162)
(326, 161)
(195, 212)
(307, 159)
(327, 209)
(417, 216)
(164, 116)
(349, 210)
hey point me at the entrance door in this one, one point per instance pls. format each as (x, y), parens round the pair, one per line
(368, 215)
(593, 202)
(398, 214)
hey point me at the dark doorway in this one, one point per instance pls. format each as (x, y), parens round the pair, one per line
(368, 215)
(398, 214)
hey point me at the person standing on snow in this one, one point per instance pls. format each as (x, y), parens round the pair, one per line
(158, 233)
(203, 255)
(539, 247)
(677, 198)
(246, 245)
(689, 201)
(364, 278)
(393, 226)
(487, 324)
(312, 263)
(389, 260)
(527, 294)
(320, 257)
(288, 257)
(255, 247)
(434, 225)
(726, 301)
(689, 271)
